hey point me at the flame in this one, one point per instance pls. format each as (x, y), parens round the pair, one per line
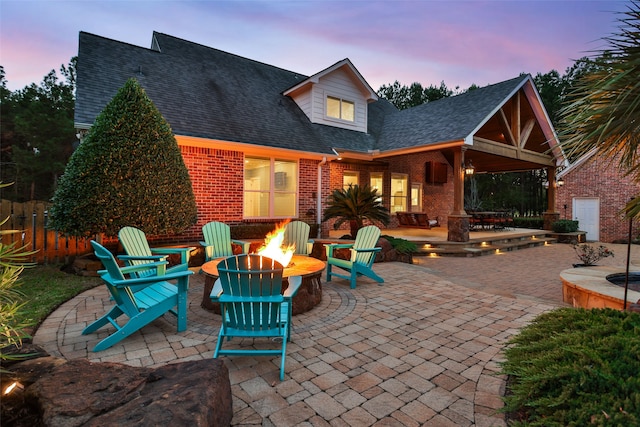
(273, 247)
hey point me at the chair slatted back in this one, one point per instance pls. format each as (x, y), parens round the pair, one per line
(297, 232)
(366, 238)
(122, 295)
(251, 292)
(218, 235)
(134, 242)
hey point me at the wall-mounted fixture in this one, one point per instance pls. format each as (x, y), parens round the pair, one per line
(560, 182)
(469, 169)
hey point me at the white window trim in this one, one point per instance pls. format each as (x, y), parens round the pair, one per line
(272, 189)
(339, 119)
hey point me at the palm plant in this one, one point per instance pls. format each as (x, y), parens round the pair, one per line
(13, 260)
(355, 204)
(604, 109)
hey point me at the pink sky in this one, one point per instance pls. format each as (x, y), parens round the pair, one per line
(458, 42)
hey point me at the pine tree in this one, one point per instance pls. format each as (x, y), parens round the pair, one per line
(128, 171)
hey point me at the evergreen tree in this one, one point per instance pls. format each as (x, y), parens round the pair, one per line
(128, 171)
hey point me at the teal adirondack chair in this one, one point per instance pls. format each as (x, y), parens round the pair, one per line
(363, 254)
(141, 299)
(217, 241)
(253, 306)
(297, 232)
(135, 244)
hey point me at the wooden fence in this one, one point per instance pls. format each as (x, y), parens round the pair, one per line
(30, 219)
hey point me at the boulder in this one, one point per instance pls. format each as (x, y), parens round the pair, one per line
(80, 392)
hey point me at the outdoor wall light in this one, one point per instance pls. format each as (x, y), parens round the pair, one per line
(469, 169)
(560, 182)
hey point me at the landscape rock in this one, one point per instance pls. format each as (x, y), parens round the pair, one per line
(80, 392)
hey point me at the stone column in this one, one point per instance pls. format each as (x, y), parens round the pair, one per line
(458, 221)
(551, 216)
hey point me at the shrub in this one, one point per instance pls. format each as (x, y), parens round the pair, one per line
(575, 367)
(128, 171)
(565, 226)
(535, 223)
(589, 255)
(402, 246)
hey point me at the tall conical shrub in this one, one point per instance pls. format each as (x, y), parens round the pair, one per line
(128, 171)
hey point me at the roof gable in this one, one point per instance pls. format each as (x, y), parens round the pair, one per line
(344, 65)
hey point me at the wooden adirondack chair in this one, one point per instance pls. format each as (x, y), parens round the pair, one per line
(253, 306)
(297, 232)
(363, 254)
(135, 244)
(217, 241)
(141, 299)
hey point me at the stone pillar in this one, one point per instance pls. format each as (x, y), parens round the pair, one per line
(551, 216)
(458, 228)
(458, 220)
(549, 219)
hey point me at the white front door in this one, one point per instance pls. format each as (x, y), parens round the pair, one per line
(587, 213)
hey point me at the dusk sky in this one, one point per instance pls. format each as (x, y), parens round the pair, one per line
(458, 42)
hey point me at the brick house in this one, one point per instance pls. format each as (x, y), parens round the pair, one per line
(594, 192)
(263, 144)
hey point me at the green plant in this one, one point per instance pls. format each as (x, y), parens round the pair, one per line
(355, 204)
(575, 367)
(565, 226)
(536, 223)
(603, 109)
(128, 171)
(589, 255)
(402, 246)
(13, 260)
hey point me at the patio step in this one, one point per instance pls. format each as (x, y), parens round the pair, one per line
(486, 247)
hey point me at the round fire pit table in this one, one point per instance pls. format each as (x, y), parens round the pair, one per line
(309, 294)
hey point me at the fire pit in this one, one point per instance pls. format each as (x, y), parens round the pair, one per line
(310, 292)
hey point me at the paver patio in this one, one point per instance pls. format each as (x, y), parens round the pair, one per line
(423, 349)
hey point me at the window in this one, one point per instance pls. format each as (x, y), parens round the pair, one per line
(270, 188)
(349, 178)
(340, 109)
(376, 182)
(416, 197)
(399, 192)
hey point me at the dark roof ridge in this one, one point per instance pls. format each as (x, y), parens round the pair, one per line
(181, 40)
(474, 92)
(86, 33)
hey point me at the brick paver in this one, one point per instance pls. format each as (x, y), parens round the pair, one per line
(423, 349)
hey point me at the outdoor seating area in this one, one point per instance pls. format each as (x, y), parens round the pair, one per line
(416, 219)
(406, 352)
(495, 220)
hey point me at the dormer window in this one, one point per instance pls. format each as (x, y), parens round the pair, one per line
(338, 108)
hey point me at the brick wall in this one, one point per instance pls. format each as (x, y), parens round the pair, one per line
(599, 178)
(217, 180)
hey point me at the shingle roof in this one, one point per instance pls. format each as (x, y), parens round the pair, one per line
(447, 119)
(204, 92)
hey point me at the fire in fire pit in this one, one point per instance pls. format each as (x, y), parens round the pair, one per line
(273, 246)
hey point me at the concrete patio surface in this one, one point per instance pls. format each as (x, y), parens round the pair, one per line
(421, 350)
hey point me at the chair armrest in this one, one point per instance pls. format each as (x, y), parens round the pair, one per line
(245, 245)
(355, 252)
(216, 291)
(294, 285)
(159, 266)
(366, 249)
(142, 258)
(151, 279)
(184, 252)
(329, 247)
